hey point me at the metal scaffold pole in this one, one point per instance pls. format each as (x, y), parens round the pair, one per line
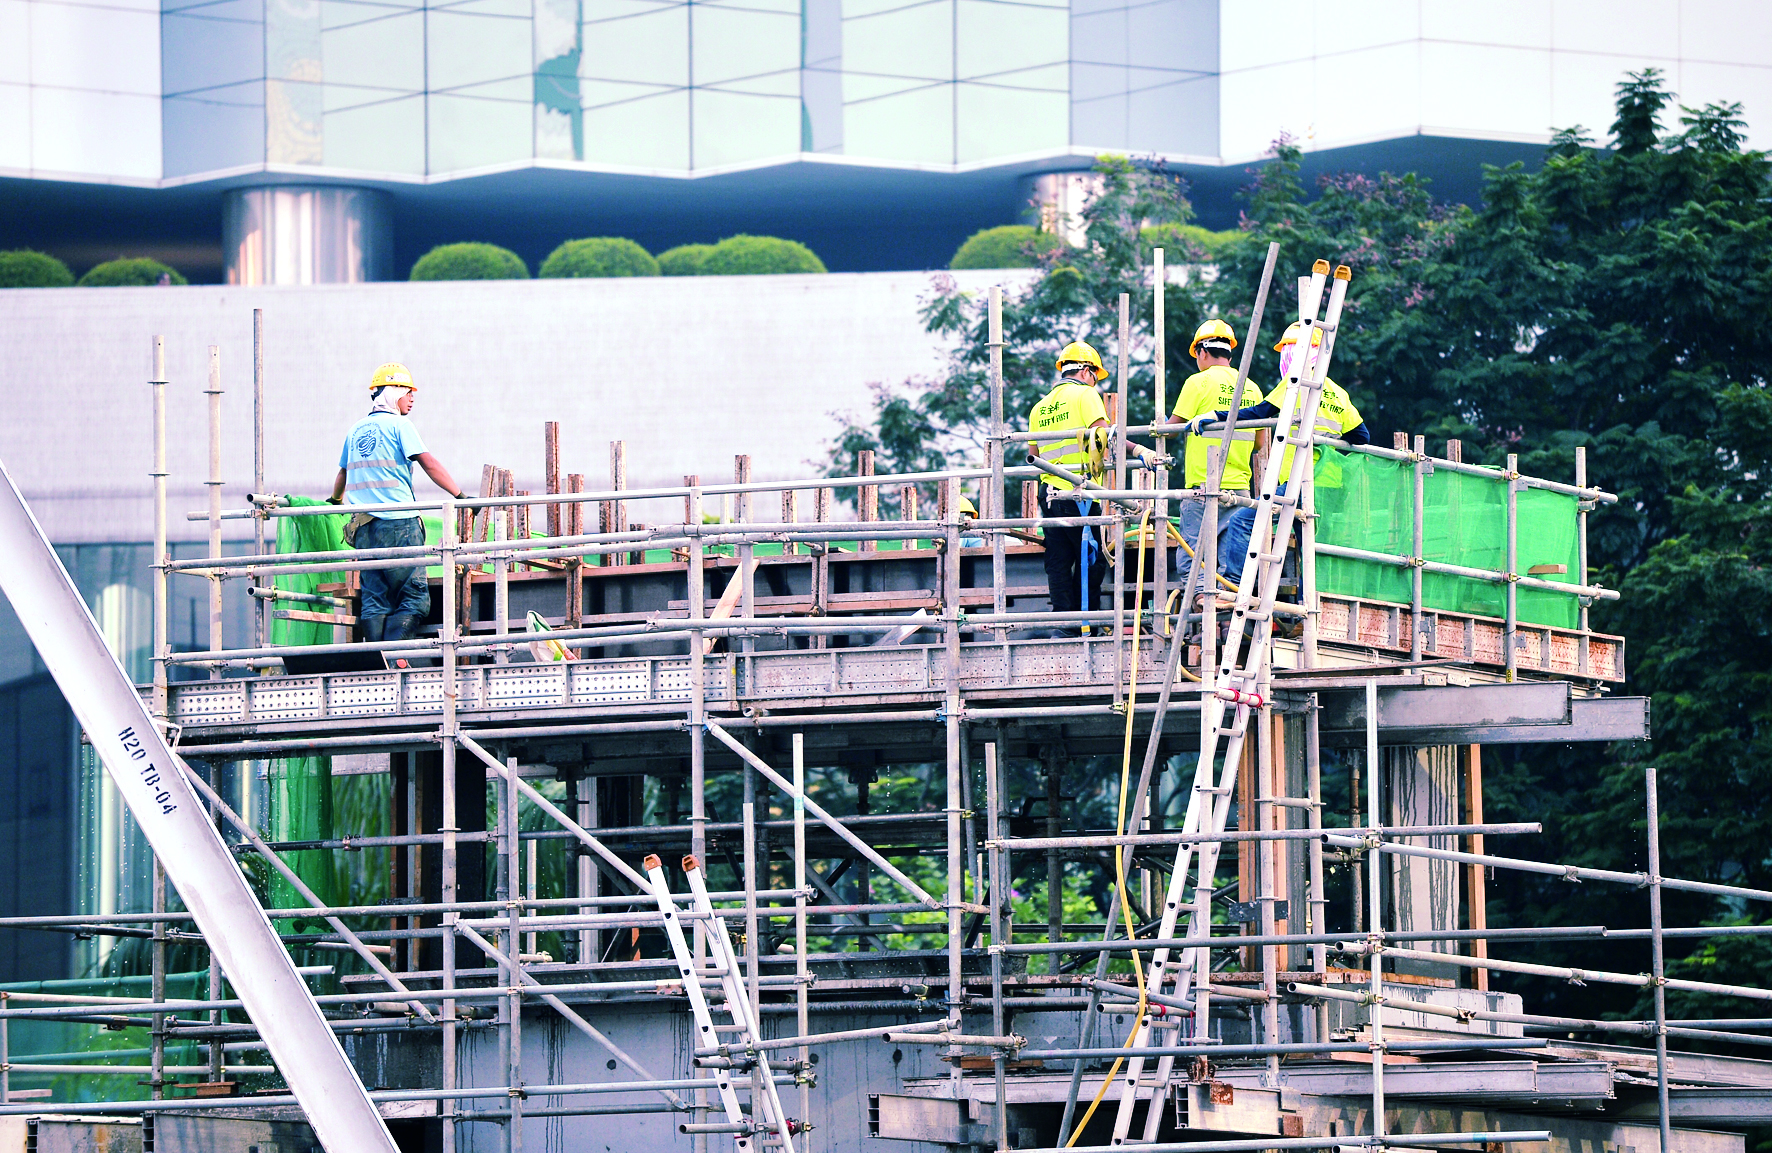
(449, 634)
(1658, 959)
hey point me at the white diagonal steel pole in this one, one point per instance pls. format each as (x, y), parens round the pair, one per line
(148, 776)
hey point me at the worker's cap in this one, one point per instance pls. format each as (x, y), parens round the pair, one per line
(1291, 335)
(1215, 336)
(392, 376)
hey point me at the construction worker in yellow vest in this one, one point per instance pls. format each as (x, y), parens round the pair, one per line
(1336, 417)
(1210, 389)
(1069, 414)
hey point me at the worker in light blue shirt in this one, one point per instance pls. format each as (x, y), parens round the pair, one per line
(375, 471)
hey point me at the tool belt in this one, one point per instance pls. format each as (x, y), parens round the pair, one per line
(356, 521)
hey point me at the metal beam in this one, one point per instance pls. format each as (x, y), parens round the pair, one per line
(151, 780)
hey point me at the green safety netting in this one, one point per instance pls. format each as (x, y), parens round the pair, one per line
(1367, 502)
(301, 787)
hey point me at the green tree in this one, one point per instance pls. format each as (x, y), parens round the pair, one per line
(683, 260)
(930, 424)
(1006, 246)
(744, 255)
(470, 261)
(599, 256)
(25, 268)
(125, 272)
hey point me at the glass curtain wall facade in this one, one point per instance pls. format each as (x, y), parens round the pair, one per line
(395, 89)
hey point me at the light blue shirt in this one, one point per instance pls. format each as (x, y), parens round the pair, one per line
(377, 459)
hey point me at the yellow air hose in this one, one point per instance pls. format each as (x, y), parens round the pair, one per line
(1120, 850)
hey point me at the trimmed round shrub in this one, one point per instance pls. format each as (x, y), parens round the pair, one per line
(599, 256)
(1188, 242)
(26, 268)
(744, 255)
(1006, 246)
(127, 272)
(683, 260)
(470, 261)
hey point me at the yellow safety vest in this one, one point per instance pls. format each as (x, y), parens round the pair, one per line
(1069, 408)
(1336, 414)
(1212, 391)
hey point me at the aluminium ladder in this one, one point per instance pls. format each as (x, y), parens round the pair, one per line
(774, 1125)
(1239, 690)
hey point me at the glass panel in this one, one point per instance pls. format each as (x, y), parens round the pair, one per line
(881, 38)
(636, 41)
(996, 38)
(292, 87)
(732, 128)
(474, 132)
(97, 133)
(998, 120)
(821, 85)
(466, 49)
(1173, 114)
(109, 49)
(217, 128)
(374, 47)
(385, 136)
(15, 109)
(916, 126)
(212, 46)
(643, 132)
(15, 42)
(732, 44)
(559, 113)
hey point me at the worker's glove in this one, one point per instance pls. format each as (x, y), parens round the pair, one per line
(1197, 426)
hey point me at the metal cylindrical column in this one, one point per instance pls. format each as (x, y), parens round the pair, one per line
(307, 235)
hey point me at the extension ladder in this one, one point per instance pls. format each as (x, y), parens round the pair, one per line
(774, 1127)
(1239, 690)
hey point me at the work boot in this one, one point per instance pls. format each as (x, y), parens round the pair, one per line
(372, 628)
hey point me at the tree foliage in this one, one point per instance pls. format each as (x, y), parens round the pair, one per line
(1616, 299)
(599, 256)
(470, 261)
(25, 268)
(127, 272)
(931, 423)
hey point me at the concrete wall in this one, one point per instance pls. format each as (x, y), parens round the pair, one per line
(688, 371)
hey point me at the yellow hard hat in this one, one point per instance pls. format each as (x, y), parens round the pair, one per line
(1077, 352)
(1214, 329)
(967, 508)
(1291, 336)
(391, 374)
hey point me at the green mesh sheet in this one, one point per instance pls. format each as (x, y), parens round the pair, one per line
(301, 787)
(1367, 502)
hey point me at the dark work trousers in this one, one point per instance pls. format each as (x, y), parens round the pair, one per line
(1064, 554)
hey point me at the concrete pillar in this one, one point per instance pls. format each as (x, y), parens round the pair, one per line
(293, 234)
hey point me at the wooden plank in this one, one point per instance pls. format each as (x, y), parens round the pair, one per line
(313, 617)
